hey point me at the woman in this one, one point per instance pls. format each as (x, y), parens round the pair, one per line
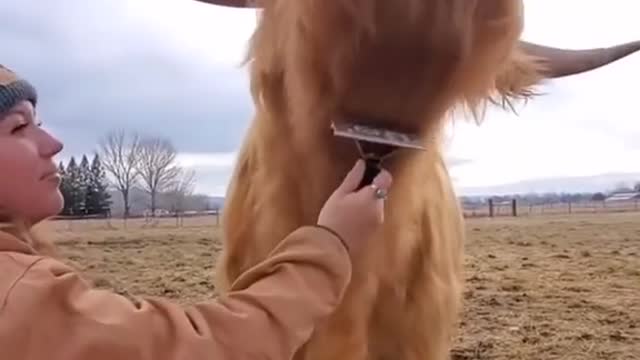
(47, 311)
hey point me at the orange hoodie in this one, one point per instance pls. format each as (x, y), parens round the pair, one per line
(48, 312)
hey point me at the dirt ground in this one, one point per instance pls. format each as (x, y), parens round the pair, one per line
(561, 287)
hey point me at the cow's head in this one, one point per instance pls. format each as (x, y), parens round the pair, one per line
(401, 63)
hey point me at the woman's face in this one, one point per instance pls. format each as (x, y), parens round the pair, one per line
(29, 180)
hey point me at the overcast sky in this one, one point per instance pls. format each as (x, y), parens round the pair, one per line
(173, 70)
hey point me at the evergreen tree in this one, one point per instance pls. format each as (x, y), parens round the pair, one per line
(76, 188)
(65, 189)
(84, 177)
(97, 197)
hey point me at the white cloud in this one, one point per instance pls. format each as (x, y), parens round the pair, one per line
(213, 160)
(213, 170)
(213, 34)
(586, 124)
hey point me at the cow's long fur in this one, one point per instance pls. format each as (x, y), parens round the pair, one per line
(401, 63)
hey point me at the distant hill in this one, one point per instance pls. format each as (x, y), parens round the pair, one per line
(216, 202)
(576, 184)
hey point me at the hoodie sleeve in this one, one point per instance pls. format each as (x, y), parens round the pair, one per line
(270, 311)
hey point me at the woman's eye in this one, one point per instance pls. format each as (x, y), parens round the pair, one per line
(19, 128)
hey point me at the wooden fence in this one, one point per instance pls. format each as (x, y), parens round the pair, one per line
(212, 218)
(522, 208)
(190, 219)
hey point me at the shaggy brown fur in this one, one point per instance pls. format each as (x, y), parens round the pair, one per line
(403, 64)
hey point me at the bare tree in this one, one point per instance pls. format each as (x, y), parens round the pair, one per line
(180, 190)
(120, 158)
(157, 167)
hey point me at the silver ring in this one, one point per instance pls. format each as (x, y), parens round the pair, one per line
(381, 193)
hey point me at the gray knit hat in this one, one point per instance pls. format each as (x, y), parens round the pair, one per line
(13, 90)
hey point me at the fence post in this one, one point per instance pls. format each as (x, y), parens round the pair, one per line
(490, 207)
(514, 208)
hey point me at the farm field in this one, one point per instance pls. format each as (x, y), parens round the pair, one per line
(540, 287)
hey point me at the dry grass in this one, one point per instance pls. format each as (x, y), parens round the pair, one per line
(553, 288)
(538, 288)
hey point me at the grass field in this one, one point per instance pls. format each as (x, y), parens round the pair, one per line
(553, 287)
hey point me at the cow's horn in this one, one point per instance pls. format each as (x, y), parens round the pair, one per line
(564, 62)
(232, 3)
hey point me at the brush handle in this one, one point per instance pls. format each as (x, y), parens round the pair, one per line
(372, 169)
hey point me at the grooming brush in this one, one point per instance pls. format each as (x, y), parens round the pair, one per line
(383, 141)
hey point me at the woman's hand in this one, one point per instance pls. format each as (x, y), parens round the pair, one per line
(356, 215)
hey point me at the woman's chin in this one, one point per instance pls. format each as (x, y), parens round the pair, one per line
(51, 206)
(57, 203)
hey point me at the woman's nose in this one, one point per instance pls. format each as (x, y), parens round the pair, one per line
(50, 145)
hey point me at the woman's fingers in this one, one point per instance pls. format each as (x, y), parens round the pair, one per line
(379, 187)
(352, 180)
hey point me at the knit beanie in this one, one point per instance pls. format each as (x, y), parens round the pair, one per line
(13, 90)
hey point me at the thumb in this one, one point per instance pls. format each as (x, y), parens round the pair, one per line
(352, 180)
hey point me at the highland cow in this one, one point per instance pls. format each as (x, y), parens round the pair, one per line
(403, 65)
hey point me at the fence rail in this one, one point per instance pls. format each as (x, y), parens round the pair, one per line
(212, 218)
(95, 222)
(522, 208)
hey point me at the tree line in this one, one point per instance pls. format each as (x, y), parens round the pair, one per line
(84, 187)
(150, 163)
(124, 162)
